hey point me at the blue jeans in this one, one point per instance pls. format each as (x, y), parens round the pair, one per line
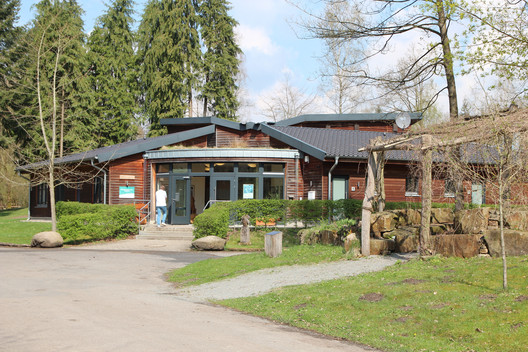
(162, 214)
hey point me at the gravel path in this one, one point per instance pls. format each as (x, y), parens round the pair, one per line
(262, 281)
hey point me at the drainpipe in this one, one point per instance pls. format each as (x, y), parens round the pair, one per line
(104, 179)
(330, 177)
(29, 194)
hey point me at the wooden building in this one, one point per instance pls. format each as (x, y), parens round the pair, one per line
(207, 159)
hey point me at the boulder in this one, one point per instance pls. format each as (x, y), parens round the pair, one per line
(329, 237)
(463, 246)
(406, 242)
(383, 222)
(517, 220)
(516, 242)
(442, 216)
(209, 243)
(351, 242)
(381, 247)
(47, 239)
(410, 217)
(438, 229)
(308, 236)
(472, 221)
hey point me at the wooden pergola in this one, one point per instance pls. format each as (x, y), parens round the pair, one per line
(424, 141)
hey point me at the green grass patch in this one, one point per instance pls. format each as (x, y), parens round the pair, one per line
(257, 236)
(435, 305)
(13, 228)
(224, 268)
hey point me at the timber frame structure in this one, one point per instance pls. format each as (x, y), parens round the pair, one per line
(424, 142)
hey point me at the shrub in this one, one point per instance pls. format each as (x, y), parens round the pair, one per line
(214, 221)
(97, 223)
(264, 210)
(72, 208)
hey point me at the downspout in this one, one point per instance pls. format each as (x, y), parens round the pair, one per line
(29, 194)
(104, 179)
(330, 177)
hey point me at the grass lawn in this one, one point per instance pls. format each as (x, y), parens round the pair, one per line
(441, 304)
(14, 230)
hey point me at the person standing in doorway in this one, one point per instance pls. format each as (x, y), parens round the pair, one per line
(161, 206)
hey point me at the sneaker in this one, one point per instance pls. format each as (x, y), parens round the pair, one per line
(163, 224)
(158, 226)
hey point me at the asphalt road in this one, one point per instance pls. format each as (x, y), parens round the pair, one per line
(116, 299)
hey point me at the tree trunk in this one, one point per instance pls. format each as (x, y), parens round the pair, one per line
(63, 115)
(425, 227)
(367, 206)
(380, 176)
(501, 222)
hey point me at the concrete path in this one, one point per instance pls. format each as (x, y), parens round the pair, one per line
(113, 297)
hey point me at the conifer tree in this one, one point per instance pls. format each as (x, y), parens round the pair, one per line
(113, 75)
(170, 56)
(220, 60)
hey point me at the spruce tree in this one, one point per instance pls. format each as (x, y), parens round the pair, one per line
(220, 60)
(113, 75)
(170, 56)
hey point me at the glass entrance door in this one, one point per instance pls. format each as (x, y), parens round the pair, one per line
(179, 201)
(222, 189)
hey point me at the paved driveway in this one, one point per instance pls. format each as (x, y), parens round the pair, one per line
(115, 299)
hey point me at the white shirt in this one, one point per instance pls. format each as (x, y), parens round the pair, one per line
(161, 198)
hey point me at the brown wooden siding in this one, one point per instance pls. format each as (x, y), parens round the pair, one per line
(384, 126)
(228, 138)
(131, 166)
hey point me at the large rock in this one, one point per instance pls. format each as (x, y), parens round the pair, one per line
(406, 241)
(472, 221)
(383, 222)
(209, 243)
(47, 239)
(442, 216)
(517, 220)
(308, 236)
(351, 241)
(329, 237)
(381, 247)
(516, 242)
(463, 246)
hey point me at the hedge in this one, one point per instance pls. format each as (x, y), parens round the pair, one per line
(216, 220)
(84, 221)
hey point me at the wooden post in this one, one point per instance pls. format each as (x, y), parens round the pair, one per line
(273, 243)
(425, 227)
(367, 206)
(380, 179)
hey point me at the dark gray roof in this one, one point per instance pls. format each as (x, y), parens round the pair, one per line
(209, 120)
(121, 150)
(345, 117)
(327, 143)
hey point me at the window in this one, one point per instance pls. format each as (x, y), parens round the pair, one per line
(42, 195)
(200, 167)
(273, 188)
(98, 190)
(248, 167)
(449, 189)
(274, 168)
(162, 168)
(411, 186)
(179, 168)
(224, 167)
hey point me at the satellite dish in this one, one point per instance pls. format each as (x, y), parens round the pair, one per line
(403, 120)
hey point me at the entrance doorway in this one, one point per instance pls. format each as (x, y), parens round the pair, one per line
(180, 200)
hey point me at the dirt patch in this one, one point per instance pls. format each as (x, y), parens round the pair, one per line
(490, 297)
(440, 306)
(407, 308)
(401, 319)
(412, 281)
(300, 306)
(447, 279)
(517, 326)
(372, 297)
(521, 298)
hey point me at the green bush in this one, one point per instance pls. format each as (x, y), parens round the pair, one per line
(214, 221)
(72, 208)
(97, 223)
(265, 210)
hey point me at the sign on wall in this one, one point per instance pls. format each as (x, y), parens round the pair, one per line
(248, 191)
(127, 192)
